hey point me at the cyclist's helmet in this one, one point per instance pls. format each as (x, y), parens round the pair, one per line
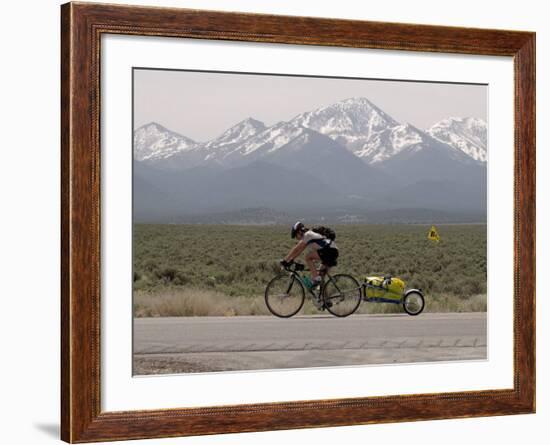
(297, 227)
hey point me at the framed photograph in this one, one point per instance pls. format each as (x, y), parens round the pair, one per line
(274, 222)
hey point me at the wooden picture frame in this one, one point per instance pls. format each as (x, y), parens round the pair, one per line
(82, 25)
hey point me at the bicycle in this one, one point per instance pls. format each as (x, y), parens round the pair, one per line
(340, 294)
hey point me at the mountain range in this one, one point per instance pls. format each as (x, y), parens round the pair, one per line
(348, 158)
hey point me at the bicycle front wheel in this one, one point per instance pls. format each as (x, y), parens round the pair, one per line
(284, 296)
(342, 295)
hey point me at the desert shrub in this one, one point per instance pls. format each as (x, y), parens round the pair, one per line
(238, 261)
(167, 274)
(194, 302)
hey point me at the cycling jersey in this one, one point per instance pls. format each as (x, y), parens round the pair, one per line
(316, 241)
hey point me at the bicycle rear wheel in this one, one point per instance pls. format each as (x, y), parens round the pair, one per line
(284, 296)
(342, 295)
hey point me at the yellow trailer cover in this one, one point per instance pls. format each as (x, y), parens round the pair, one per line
(392, 290)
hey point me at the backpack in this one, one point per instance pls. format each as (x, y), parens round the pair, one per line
(327, 232)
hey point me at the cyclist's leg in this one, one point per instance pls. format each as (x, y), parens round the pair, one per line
(311, 257)
(324, 269)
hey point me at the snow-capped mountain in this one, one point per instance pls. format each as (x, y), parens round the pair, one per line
(328, 160)
(231, 139)
(264, 142)
(374, 136)
(351, 122)
(294, 147)
(468, 135)
(153, 141)
(426, 157)
(389, 142)
(405, 141)
(172, 152)
(356, 123)
(345, 157)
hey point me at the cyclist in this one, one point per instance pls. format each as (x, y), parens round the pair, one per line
(319, 248)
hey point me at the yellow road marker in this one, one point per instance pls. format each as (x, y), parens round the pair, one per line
(433, 235)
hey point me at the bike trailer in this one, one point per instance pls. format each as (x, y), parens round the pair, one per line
(379, 287)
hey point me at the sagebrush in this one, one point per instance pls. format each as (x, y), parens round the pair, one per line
(238, 261)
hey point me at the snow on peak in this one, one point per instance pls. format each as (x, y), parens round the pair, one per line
(354, 123)
(405, 135)
(237, 133)
(153, 141)
(351, 121)
(467, 134)
(272, 138)
(389, 142)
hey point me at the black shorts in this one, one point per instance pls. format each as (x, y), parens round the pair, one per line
(328, 255)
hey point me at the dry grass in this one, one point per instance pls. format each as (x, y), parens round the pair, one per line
(188, 302)
(434, 303)
(198, 270)
(240, 260)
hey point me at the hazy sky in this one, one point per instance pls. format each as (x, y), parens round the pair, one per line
(203, 105)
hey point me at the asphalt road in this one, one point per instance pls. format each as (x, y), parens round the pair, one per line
(209, 344)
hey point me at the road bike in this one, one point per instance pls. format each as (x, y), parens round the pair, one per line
(285, 294)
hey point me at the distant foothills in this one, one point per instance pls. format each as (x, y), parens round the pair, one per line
(344, 163)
